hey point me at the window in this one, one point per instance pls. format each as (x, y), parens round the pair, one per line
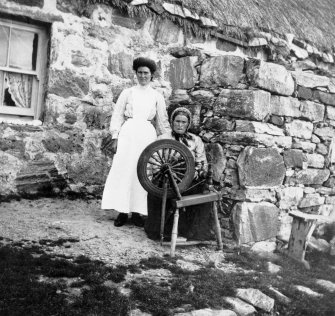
(23, 60)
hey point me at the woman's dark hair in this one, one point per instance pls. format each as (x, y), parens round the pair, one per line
(144, 62)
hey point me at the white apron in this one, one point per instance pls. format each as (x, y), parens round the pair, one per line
(123, 191)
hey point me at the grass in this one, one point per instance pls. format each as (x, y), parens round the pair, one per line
(33, 282)
(22, 292)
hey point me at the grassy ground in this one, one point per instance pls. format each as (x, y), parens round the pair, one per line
(35, 283)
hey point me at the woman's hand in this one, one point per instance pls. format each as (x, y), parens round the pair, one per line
(114, 146)
(109, 145)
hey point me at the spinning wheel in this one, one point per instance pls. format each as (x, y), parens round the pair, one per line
(165, 169)
(165, 165)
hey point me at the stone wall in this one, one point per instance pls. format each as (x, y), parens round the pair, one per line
(267, 117)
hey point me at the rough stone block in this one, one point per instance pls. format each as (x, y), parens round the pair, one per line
(222, 71)
(39, 178)
(225, 46)
(79, 59)
(310, 80)
(326, 191)
(309, 176)
(304, 65)
(254, 195)
(326, 285)
(180, 96)
(258, 127)
(256, 298)
(285, 226)
(121, 64)
(253, 139)
(330, 183)
(271, 77)
(293, 158)
(300, 129)
(31, 3)
(290, 197)
(255, 221)
(304, 93)
(9, 167)
(324, 97)
(240, 307)
(330, 200)
(217, 124)
(248, 104)
(204, 312)
(66, 83)
(165, 31)
(319, 245)
(183, 74)
(299, 52)
(277, 120)
(305, 146)
(285, 106)
(330, 113)
(325, 133)
(121, 18)
(310, 200)
(315, 160)
(260, 167)
(321, 149)
(217, 157)
(312, 111)
(56, 144)
(204, 97)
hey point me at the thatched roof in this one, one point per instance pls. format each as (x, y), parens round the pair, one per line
(310, 20)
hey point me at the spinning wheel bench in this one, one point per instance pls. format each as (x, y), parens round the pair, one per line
(195, 199)
(166, 169)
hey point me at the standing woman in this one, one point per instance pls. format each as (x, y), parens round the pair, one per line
(131, 131)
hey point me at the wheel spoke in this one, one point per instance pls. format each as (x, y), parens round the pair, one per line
(156, 176)
(179, 168)
(179, 173)
(173, 155)
(169, 154)
(160, 157)
(157, 179)
(178, 164)
(155, 158)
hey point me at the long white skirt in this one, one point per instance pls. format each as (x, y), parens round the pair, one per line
(123, 191)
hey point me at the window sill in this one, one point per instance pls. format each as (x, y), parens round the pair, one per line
(19, 121)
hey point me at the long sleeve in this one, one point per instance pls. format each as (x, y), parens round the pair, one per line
(162, 120)
(118, 114)
(200, 155)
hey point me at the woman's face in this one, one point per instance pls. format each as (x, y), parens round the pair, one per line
(143, 75)
(180, 124)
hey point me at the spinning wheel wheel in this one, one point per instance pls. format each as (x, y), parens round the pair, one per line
(165, 167)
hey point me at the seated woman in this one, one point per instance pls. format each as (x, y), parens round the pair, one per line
(197, 222)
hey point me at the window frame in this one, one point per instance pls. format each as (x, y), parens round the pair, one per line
(38, 86)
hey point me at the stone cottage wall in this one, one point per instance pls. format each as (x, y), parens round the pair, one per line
(267, 116)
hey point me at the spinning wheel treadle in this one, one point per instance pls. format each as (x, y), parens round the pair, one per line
(163, 158)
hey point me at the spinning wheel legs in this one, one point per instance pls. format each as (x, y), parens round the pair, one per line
(174, 234)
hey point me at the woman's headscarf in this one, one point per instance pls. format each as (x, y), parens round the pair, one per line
(186, 136)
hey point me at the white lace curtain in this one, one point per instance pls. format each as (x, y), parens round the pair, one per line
(20, 88)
